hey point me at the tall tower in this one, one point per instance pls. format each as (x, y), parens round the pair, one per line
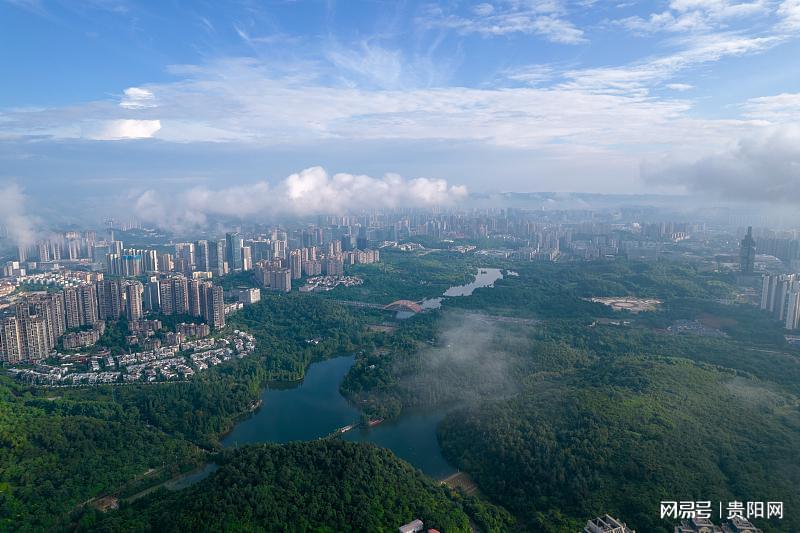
(212, 304)
(234, 244)
(201, 256)
(747, 252)
(216, 258)
(193, 288)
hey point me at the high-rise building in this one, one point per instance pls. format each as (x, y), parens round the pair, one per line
(151, 296)
(215, 311)
(180, 287)
(186, 253)
(193, 289)
(34, 334)
(793, 310)
(166, 263)
(201, 256)
(150, 260)
(280, 279)
(174, 295)
(261, 250)
(35, 338)
(778, 297)
(131, 263)
(99, 251)
(312, 268)
(166, 297)
(333, 267)
(110, 299)
(51, 308)
(747, 252)
(133, 300)
(234, 244)
(247, 258)
(216, 258)
(81, 304)
(11, 347)
(89, 308)
(296, 263)
(72, 307)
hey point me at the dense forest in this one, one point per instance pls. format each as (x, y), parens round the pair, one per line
(327, 485)
(58, 450)
(620, 437)
(572, 417)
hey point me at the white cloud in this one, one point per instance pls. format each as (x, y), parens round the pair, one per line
(638, 78)
(544, 18)
(13, 214)
(779, 108)
(483, 10)
(114, 130)
(311, 191)
(696, 16)
(531, 74)
(763, 165)
(376, 64)
(790, 11)
(680, 87)
(241, 101)
(137, 98)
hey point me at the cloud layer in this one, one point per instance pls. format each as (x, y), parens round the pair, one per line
(311, 191)
(762, 166)
(500, 94)
(14, 216)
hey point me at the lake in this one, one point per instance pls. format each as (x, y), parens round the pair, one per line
(484, 278)
(314, 408)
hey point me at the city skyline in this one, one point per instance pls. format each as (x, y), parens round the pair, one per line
(236, 102)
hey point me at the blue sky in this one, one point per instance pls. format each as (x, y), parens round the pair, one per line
(110, 100)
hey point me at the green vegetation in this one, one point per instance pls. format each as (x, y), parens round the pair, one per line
(205, 407)
(236, 280)
(571, 419)
(62, 447)
(57, 451)
(407, 276)
(169, 322)
(557, 422)
(554, 290)
(314, 486)
(620, 437)
(114, 337)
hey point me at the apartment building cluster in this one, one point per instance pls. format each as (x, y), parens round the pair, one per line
(780, 295)
(176, 294)
(278, 274)
(41, 319)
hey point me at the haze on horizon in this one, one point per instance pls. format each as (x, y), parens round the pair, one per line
(183, 111)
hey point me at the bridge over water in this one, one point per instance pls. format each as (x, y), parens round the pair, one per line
(414, 307)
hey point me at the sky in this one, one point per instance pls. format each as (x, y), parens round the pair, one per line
(199, 108)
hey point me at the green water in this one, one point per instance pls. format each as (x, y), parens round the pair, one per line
(314, 408)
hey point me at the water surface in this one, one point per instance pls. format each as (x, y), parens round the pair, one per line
(314, 408)
(484, 278)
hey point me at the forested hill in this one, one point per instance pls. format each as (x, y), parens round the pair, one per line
(327, 485)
